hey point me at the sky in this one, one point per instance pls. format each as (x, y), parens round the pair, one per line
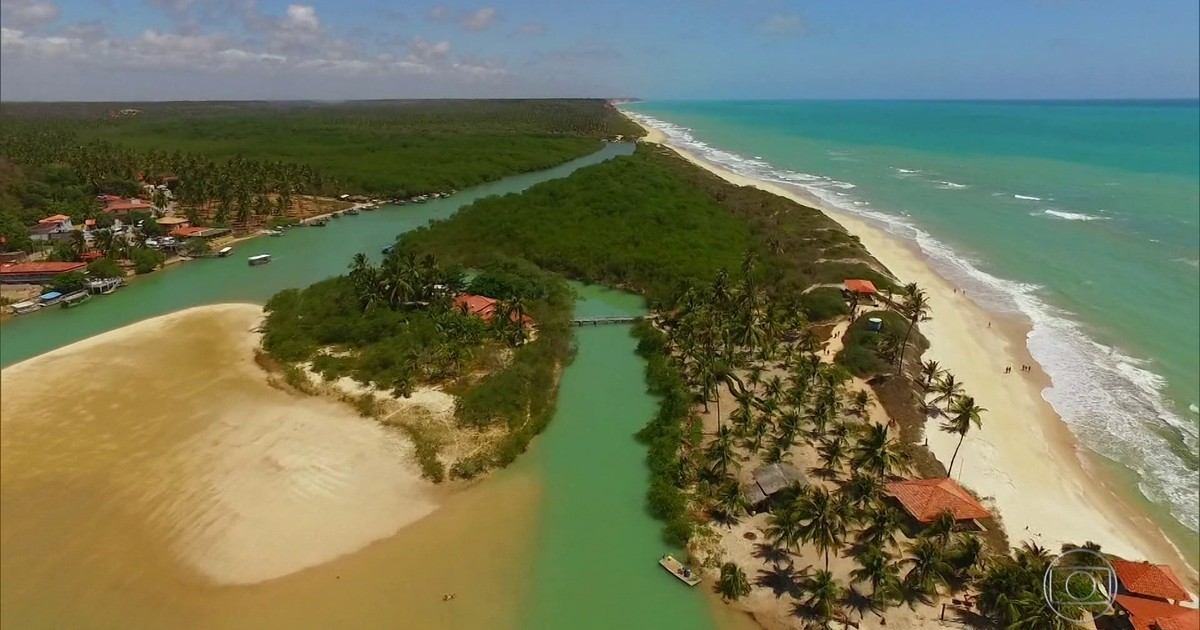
(136, 50)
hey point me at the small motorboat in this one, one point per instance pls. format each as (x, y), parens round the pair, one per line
(387, 250)
(75, 299)
(224, 251)
(679, 570)
(260, 259)
(354, 211)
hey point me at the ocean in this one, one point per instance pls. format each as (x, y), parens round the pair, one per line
(1082, 216)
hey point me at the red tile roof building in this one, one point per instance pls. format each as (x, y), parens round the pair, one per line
(926, 499)
(125, 206)
(36, 272)
(55, 220)
(865, 287)
(1149, 580)
(1149, 614)
(484, 308)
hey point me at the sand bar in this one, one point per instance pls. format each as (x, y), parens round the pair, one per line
(236, 480)
(1025, 459)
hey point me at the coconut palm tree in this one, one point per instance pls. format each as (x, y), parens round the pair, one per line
(720, 451)
(824, 518)
(878, 568)
(863, 490)
(731, 502)
(927, 566)
(947, 389)
(963, 414)
(832, 451)
(783, 527)
(882, 525)
(859, 403)
(916, 309)
(824, 595)
(876, 453)
(941, 529)
(733, 583)
(930, 371)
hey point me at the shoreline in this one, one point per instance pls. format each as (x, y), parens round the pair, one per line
(1045, 489)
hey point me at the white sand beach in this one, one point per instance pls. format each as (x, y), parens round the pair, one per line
(1025, 462)
(238, 481)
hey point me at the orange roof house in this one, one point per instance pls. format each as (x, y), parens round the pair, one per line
(1149, 614)
(188, 231)
(54, 220)
(864, 287)
(1149, 580)
(125, 206)
(484, 308)
(36, 272)
(925, 499)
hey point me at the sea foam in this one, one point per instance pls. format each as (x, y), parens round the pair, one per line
(1072, 216)
(1112, 402)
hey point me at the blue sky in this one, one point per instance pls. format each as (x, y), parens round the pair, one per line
(224, 49)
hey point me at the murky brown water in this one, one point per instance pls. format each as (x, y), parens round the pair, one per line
(150, 478)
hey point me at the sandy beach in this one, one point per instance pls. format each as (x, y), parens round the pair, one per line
(1025, 460)
(252, 483)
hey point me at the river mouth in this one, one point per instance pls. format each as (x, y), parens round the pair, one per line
(154, 471)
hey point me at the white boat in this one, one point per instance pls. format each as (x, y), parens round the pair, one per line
(679, 570)
(260, 259)
(224, 251)
(105, 286)
(21, 308)
(273, 232)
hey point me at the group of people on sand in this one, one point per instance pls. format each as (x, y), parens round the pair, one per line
(1024, 368)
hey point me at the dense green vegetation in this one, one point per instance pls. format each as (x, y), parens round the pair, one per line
(395, 327)
(229, 163)
(652, 223)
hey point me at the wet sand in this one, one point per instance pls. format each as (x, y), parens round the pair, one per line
(151, 477)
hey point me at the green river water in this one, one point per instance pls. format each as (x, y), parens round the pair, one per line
(594, 558)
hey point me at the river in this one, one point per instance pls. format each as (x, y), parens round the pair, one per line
(561, 539)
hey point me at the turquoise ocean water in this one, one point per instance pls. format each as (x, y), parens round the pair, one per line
(1084, 217)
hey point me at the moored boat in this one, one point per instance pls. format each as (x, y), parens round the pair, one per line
(387, 250)
(224, 251)
(75, 298)
(21, 308)
(49, 299)
(353, 211)
(104, 286)
(679, 570)
(319, 223)
(260, 259)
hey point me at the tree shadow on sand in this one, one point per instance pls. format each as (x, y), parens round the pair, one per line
(861, 603)
(771, 553)
(781, 579)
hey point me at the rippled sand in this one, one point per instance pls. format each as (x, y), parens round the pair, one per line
(148, 472)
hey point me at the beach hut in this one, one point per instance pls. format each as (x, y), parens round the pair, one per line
(924, 500)
(768, 481)
(861, 288)
(1154, 581)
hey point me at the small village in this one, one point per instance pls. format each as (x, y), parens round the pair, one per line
(137, 235)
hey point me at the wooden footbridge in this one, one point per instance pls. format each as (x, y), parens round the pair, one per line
(597, 321)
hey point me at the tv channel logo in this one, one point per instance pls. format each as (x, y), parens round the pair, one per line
(1080, 585)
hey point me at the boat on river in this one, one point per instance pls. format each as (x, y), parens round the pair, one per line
(260, 259)
(224, 251)
(319, 223)
(104, 286)
(21, 308)
(353, 211)
(273, 232)
(679, 570)
(75, 298)
(387, 250)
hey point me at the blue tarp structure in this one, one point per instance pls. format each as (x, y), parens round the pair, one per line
(53, 295)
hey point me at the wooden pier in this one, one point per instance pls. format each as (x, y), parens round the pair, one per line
(596, 321)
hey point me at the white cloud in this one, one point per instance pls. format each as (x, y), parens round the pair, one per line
(533, 28)
(300, 30)
(479, 20)
(439, 13)
(25, 14)
(783, 24)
